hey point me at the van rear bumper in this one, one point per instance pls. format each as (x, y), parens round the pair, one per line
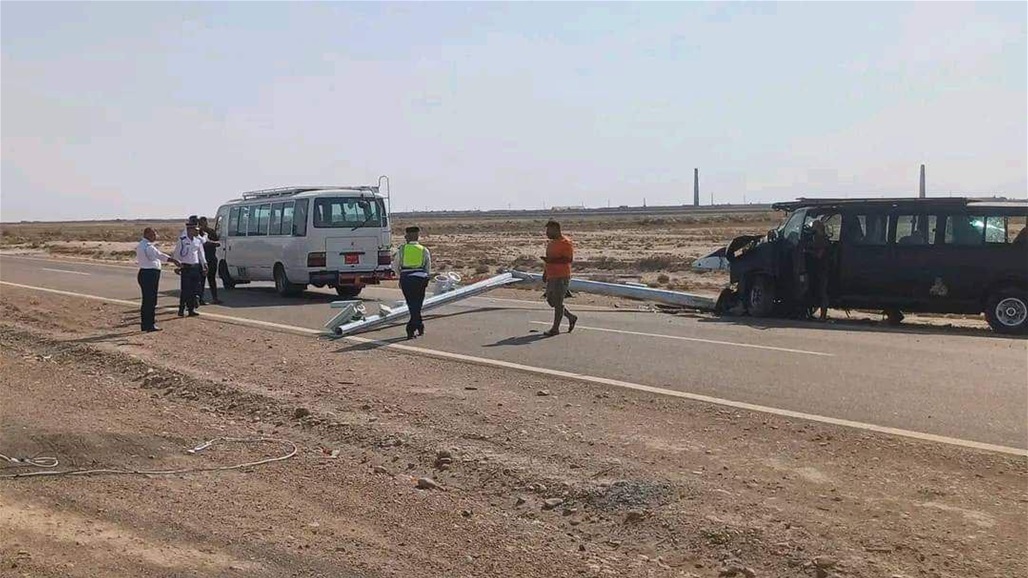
(333, 278)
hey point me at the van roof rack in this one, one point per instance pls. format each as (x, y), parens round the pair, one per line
(290, 191)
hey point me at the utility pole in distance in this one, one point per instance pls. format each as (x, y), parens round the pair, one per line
(921, 194)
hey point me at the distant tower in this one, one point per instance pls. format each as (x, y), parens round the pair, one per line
(921, 193)
(696, 187)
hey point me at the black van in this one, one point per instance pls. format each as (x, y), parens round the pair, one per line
(952, 255)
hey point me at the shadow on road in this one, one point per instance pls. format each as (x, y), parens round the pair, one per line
(519, 340)
(844, 324)
(263, 297)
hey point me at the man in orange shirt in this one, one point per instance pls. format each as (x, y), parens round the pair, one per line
(559, 255)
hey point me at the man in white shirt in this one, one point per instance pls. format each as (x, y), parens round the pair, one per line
(189, 253)
(149, 258)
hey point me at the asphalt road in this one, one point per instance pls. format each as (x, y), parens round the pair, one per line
(964, 384)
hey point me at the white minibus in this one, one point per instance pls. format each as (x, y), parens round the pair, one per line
(326, 236)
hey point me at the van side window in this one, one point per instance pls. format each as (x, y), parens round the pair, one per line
(300, 218)
(244, 221)
(275, 228)
(287, 218)
(965, 230)
(1017, 232)
(915, 229)
(263, 217)
(233, 221)
(833, 227)
(996, 229)
(870, 229)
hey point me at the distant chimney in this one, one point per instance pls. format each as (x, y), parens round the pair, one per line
(696, 187)
(921, 193)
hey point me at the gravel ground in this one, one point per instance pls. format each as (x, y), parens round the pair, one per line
(415, 466)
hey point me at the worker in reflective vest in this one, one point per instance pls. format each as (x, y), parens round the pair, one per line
(413, 263)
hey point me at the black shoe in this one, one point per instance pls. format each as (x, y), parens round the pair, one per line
(571, 323)
(200, 302)
(181, 313)
(194, 313)
(153, 329)
(217, 301)
(421, 332)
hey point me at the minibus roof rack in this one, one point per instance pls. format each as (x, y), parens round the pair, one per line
(290, 191)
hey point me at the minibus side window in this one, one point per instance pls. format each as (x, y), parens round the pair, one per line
(233, 221)
(244, 221)
(287, 218)
(275, 228)
(300, 218)
(263, 216)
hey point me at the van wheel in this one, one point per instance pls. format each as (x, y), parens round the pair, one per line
(1007, 311)
(348, 291)
(226, 279)
(282, 284)
(760, 296)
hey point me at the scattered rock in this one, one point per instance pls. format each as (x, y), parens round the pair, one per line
(520, 502)
(428, 484)
(471, 388)
(552, 503)
(443, 454)
(380, 470)
(634, 516)
(825, 562)
(301, 412)
(736, 569)
(334, 454)
(466, 513)
(543, 392)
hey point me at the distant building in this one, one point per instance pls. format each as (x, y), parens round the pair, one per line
(569, 208)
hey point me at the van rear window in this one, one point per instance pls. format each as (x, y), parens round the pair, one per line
(347, 212)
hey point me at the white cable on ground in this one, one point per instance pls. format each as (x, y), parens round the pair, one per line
(45, 462)
(35, 461)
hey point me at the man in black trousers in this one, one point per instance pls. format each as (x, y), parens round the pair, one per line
(210, 250)
(149, 258)
(193, 265)
(413, 263)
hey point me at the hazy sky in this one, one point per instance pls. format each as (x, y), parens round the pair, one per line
(148, 109)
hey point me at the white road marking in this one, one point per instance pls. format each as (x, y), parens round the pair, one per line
(371, 288)
(64, 271)
(697, 339)
(582, 377)
(91, 263)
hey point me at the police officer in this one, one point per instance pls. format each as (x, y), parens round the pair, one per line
(413, 263)
(189, 253)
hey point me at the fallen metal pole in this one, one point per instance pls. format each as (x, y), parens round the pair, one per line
(631, 292)
(389, 315)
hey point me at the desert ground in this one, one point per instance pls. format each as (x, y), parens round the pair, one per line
(415, 465)
(656, 250)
